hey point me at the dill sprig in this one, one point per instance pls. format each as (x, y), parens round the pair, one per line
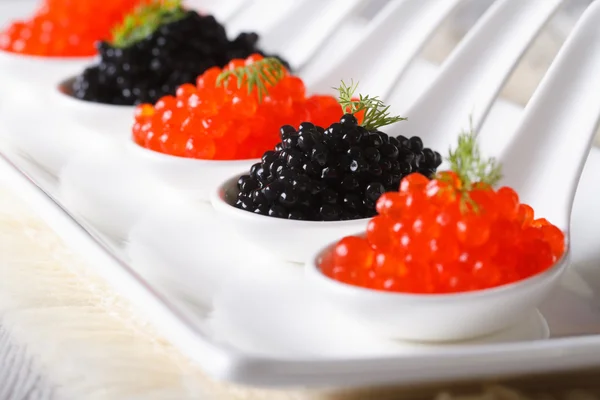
(466, 161)
(376, 113)
(260, 75)
(145, 20)
(471, 168)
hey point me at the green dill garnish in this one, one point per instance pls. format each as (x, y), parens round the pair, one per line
(376, 112)
(145, 20)
(471, 168)
(260, 74)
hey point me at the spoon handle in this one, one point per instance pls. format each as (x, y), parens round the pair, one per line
(472, 76)
(544, 161)
(223, 11)
(304, 31)
(379, 56)
(259, 16)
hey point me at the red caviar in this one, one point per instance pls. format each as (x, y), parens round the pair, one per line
(65, 28)
(431, 238)
(224, 122)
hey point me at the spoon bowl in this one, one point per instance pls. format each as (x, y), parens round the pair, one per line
(553, 128)
(32, 71)
(197, 179)
(290, 240)
(26, 79)
(436, 317)
(111, 121)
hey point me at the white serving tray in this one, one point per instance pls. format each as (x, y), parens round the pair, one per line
(247, 318)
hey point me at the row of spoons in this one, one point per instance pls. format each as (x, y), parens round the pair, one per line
(547, 117)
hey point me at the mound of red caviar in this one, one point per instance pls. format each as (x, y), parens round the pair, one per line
(65, 28)
(436, 236)
(224, 121)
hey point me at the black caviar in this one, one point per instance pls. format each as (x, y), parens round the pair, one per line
(155, 66)
(331, 174)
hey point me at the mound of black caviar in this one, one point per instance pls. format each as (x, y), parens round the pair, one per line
(155, 64)
(331, 174)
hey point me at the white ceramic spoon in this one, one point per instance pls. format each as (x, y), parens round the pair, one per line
(473, 75)
(543, 163)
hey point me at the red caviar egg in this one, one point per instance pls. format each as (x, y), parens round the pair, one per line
(353, 251)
